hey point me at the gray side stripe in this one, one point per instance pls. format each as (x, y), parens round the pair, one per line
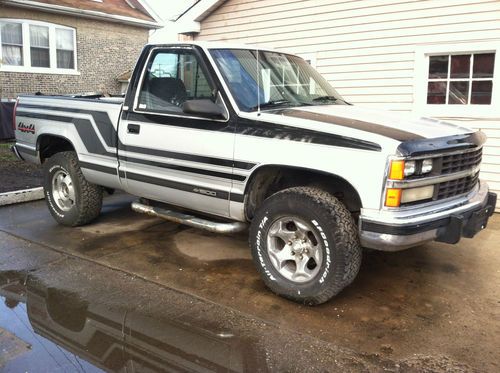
(108, 133)
(83, 127)
(101, 118)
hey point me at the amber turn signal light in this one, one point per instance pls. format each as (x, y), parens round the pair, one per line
(393, 197)
(397, 170)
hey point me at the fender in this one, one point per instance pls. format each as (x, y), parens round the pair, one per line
(40, 136)
(274, 169)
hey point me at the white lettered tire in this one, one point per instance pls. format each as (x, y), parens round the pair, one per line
(71, 199)
(305, 245)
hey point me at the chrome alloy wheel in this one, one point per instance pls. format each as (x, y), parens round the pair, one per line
(63, 191)
(294, 249)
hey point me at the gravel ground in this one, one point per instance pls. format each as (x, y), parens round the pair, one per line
(16, 174)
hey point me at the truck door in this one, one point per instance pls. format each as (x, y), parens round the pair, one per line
(168, 155)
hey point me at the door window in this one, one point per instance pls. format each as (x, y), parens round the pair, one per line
(171, 78)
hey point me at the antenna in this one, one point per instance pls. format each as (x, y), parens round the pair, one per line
(258, 83)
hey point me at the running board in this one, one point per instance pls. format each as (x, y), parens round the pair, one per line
(192, 221)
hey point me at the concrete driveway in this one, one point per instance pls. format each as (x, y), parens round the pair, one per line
(435, 307)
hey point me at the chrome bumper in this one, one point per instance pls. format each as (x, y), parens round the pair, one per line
(445, 223)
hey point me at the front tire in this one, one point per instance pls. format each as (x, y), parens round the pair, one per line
(71, 199)
(305, 245)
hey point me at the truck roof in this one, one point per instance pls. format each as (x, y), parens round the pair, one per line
(218, 45)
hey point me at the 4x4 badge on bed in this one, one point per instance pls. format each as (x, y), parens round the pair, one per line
(26, 128)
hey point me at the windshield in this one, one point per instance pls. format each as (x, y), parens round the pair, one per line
(272, 80)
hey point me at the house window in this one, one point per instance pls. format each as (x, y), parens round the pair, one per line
(12, 43)
(38, 47)
(65, 49)
(460, 79)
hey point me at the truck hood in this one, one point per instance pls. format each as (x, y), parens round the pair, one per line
(396, 126)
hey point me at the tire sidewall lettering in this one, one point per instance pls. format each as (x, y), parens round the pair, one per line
(326, 246)
(48, 193)
(261, 246)
(260, 236)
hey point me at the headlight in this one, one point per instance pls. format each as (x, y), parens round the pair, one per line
(410, 167)
(417, 194)
(426, 166)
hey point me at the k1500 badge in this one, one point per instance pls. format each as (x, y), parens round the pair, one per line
(26, 128)
(210, 193)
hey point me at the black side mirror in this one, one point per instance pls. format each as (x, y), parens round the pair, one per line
(203, 107)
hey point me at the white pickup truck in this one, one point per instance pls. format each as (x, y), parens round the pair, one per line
(220, 137)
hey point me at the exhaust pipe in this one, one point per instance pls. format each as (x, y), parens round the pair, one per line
(192, 221)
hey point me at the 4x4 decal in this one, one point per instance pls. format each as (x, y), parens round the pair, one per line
(26, 128)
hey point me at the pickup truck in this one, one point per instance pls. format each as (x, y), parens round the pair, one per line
(225, 137)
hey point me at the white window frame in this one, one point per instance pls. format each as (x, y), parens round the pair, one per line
(26, 67)
(420, 105)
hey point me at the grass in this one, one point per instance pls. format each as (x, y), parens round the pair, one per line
(5, 152)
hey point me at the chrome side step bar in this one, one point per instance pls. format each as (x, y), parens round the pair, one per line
(192, 221)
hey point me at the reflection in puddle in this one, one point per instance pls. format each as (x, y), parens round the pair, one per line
(50, 329)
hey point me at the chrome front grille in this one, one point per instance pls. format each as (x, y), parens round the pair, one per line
(456, 187)
(454, 174)
(461, 161)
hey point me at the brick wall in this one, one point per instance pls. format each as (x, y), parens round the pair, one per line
(104, 50)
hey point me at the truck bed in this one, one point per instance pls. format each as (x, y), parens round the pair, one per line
(89, 124)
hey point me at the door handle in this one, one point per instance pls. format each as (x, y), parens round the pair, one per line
(133, 128)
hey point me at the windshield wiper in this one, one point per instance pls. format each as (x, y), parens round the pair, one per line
(271, 104)
(326, 98)
(329, 98)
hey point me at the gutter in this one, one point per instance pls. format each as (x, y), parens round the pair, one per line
(93, 14)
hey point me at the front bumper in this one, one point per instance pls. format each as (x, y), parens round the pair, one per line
(394, 233)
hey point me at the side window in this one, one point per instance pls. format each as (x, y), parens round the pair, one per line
(171, 78)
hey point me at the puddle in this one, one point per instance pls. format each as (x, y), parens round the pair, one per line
(22, 348)
(54, 330)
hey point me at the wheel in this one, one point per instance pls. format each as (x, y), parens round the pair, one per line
(71, 199)
(305, 245)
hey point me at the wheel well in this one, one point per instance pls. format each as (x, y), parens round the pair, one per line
(48, 145)
(268, 180)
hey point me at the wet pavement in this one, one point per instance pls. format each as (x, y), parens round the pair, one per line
(135, 293)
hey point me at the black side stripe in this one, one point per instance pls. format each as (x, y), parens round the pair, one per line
(98, 167)
(263, 129)
(235, 197)
(176, 185)
(393, 133)
(101, 118)
(193, 170)
(109, 135)
(187, 157)
(83, 127)
(282, 132)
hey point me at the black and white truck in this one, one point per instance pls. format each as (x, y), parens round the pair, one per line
(222, 136)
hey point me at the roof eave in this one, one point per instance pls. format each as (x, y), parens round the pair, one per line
(189, 21)
(84, 13)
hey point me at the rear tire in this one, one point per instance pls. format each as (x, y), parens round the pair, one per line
(305, 245)
(71, 199)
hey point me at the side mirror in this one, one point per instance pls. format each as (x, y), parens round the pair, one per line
(203, 107)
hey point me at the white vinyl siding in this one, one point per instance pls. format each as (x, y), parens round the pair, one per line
(367, 48)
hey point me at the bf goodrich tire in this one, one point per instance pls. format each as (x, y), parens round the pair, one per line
(305, 245)
(71, 199)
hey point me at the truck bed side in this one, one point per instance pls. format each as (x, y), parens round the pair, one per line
(88, 125)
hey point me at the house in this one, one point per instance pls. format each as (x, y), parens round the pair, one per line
(70, 46)
(436, 58)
